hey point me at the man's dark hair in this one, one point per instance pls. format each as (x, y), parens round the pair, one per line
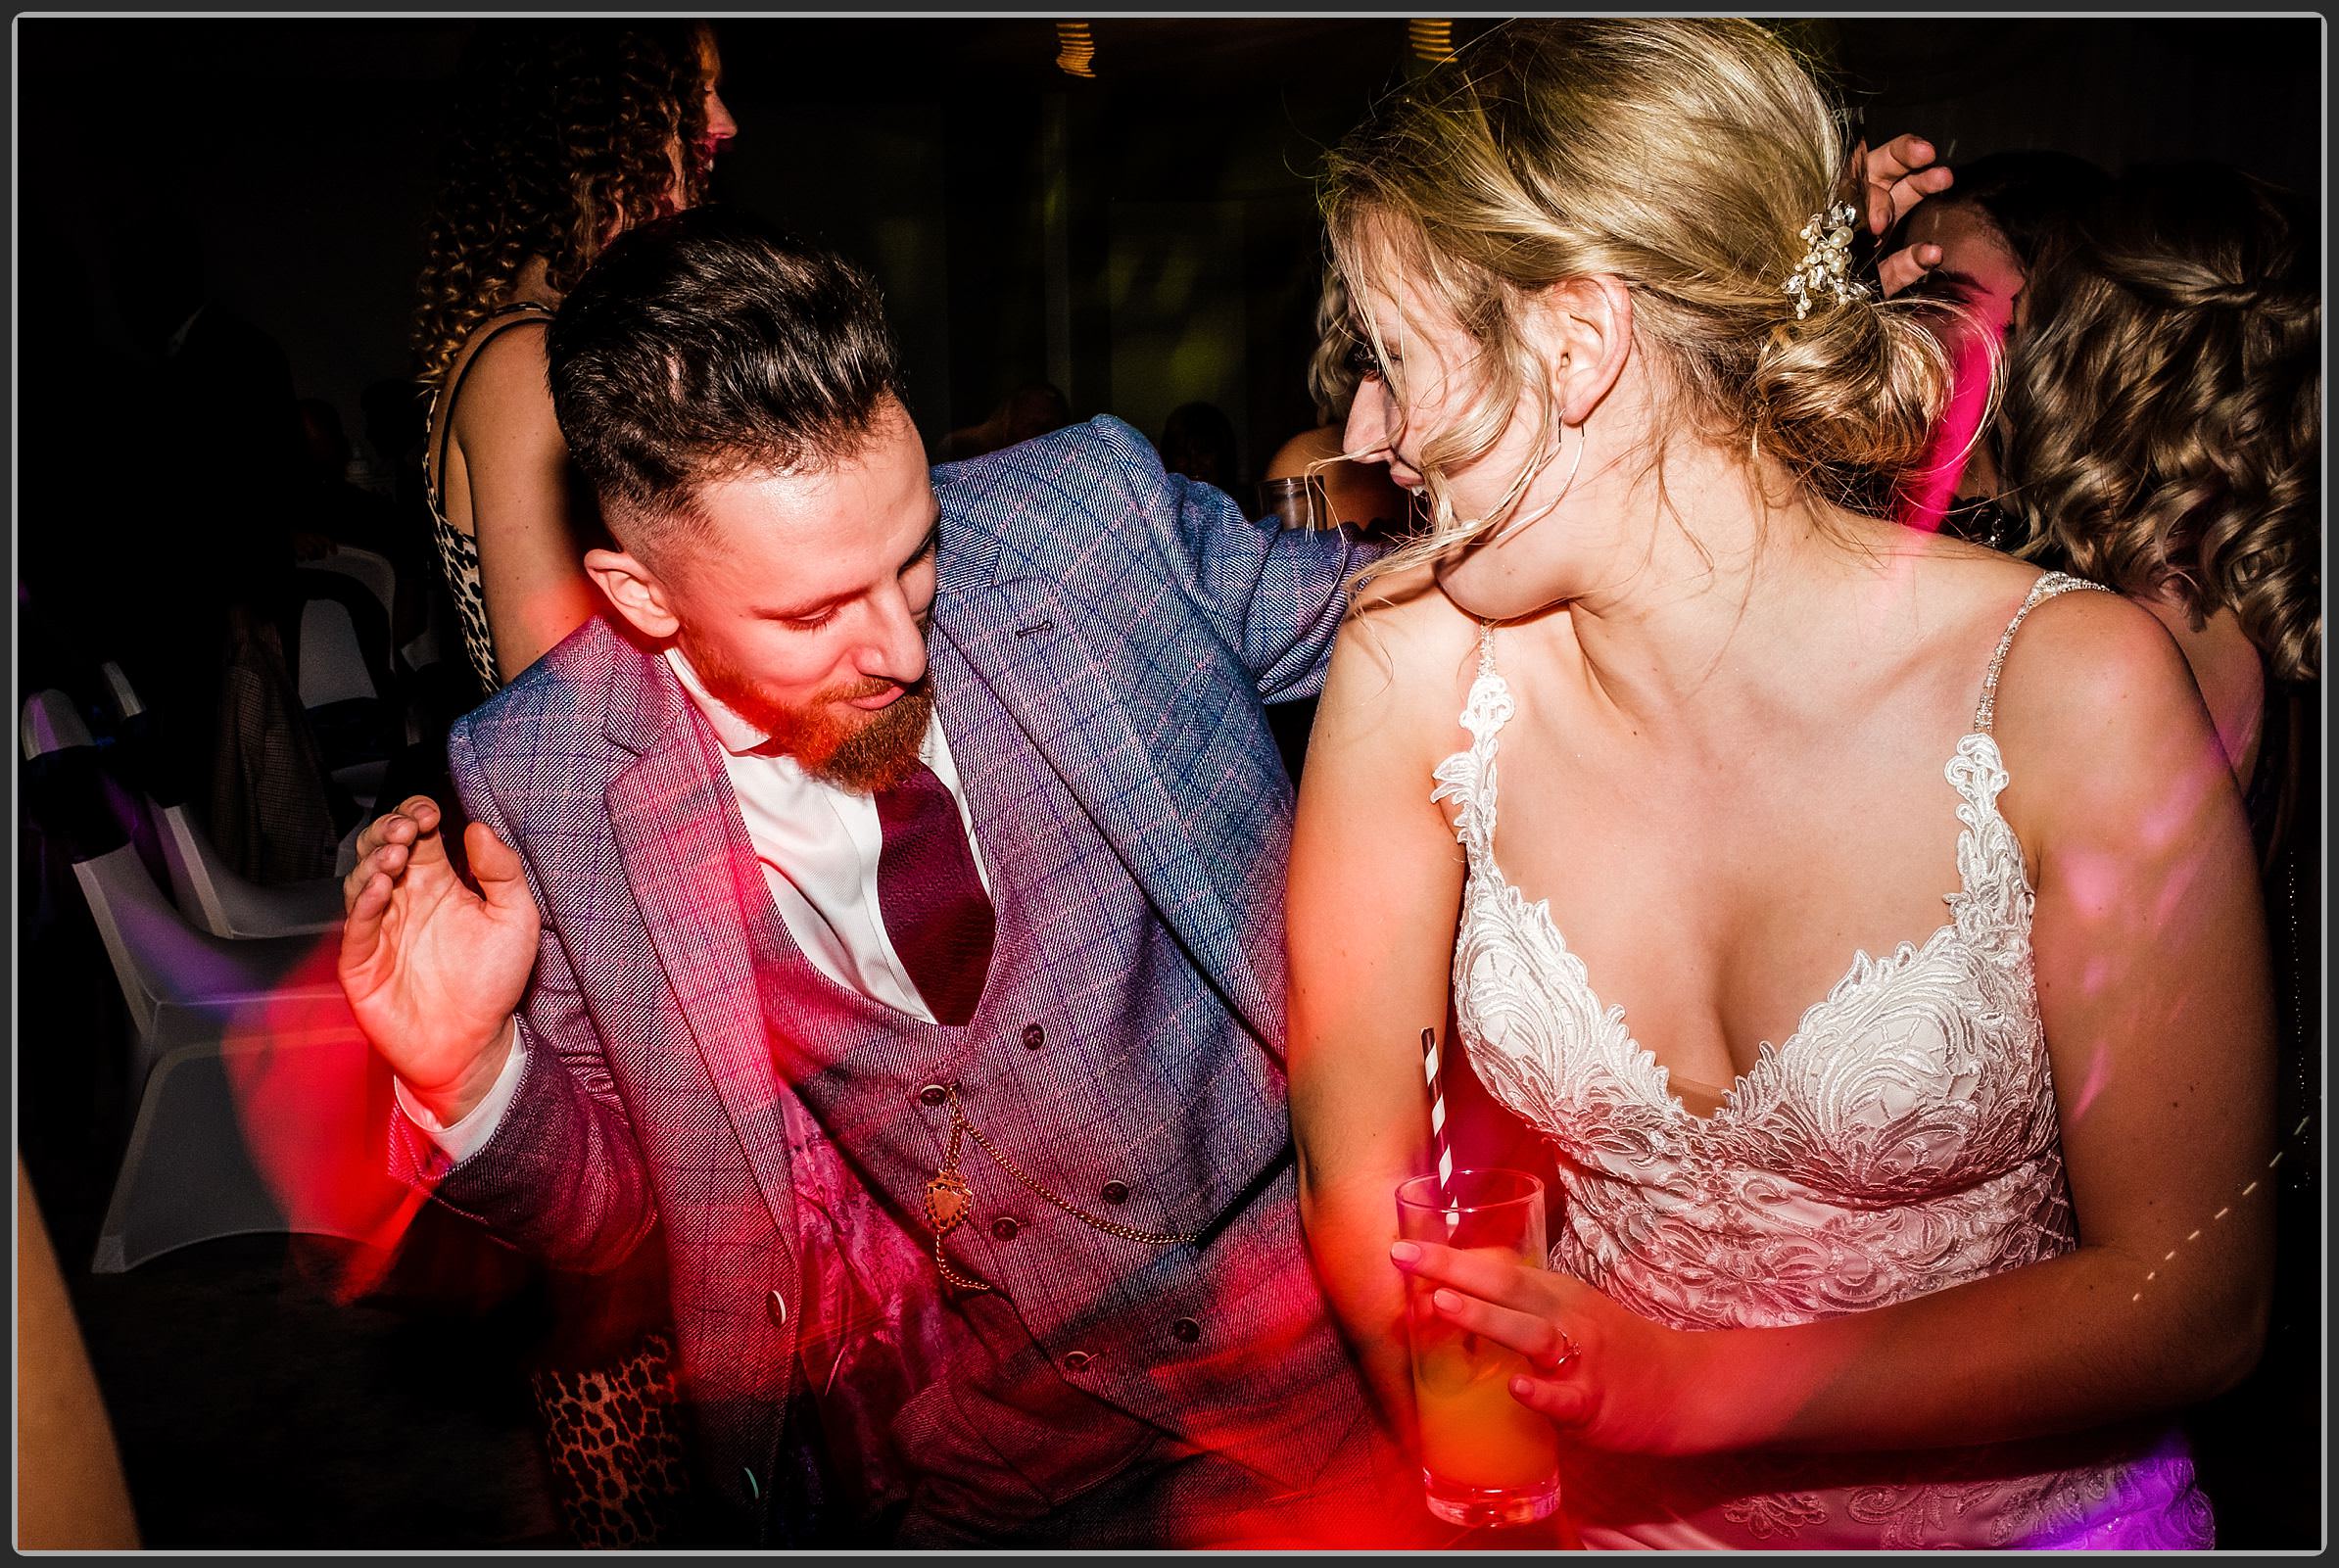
(2031, 194)
(708, 345)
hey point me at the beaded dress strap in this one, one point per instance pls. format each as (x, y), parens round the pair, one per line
(1468, 776)
(1490, 708)
(2050, 585)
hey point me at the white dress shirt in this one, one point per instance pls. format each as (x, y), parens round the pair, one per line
(817, 845)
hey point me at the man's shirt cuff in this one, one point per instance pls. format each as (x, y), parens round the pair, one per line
(469, 1133)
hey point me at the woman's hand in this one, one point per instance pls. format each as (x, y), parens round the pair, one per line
(1607, 1377)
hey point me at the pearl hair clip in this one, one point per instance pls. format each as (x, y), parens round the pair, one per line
(1826, 266)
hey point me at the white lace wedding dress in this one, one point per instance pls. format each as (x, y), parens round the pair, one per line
(1903, 1140)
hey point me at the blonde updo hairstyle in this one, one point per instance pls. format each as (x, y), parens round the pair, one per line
(2164, 415)
(1682, 155)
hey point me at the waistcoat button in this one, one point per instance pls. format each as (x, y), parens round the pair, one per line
(1034, 1036)
(1116, 1192)
(933, 1094)
(1185, 1329)
(776, 1306)
(1076, 1360)
(1004, 1227)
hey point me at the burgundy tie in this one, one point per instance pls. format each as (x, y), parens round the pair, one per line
(932, 901)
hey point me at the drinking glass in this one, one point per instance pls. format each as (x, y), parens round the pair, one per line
(1486, 1458)
(1299, 501)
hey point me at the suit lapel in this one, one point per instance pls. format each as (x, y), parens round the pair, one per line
(1012, 635)
(674, 817)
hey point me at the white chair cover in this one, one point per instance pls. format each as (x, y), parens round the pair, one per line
(251, 1078)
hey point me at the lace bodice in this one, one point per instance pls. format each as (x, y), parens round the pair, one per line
(1902, 1140)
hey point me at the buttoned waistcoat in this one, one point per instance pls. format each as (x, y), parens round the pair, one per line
(1125, 622)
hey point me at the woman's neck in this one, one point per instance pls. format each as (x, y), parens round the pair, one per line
(1701, 615)
(534, 285)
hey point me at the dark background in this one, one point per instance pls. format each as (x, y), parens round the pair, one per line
(1142, 239)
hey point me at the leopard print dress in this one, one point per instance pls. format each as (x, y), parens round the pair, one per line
(611, 1435)
(459, 564)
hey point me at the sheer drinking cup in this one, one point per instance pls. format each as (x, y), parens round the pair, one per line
(1486, 1459)
(1299, 502)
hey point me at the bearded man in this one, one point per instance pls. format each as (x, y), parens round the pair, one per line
(883, 907)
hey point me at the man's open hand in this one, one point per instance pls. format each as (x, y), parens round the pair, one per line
(433, 970)
(1894, 178)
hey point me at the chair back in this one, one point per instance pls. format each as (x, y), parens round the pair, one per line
(51, 723)
(205, 886)
(347, 679)
(65, 797)
(193, 865)
(332, 665)
(119, 692)
(369, 567)
(178, 982)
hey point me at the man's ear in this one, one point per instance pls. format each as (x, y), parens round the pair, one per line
(1587, 327)
(639, 593)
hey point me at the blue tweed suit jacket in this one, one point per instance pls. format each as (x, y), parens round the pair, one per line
(1129, 622)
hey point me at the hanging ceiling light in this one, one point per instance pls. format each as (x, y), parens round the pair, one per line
(1074, 49)
(1432, 38)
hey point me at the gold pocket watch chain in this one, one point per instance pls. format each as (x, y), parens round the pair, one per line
(948, 1196)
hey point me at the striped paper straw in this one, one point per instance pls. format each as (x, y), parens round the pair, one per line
(1437, 1116)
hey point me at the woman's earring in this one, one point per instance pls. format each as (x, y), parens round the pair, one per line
(1551, 505)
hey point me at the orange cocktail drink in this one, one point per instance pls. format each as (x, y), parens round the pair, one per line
(1486, 1459)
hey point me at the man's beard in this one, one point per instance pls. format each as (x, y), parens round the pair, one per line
(852, 748)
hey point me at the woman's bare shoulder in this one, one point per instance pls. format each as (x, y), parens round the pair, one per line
(2100, 722)
(1393, 698)
(1407, 628)
(506, 395)
(2080, 651)
(1308, 447)
(503, 361)
(1400, 673)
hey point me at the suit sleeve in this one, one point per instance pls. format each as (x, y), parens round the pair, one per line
(562, 1177)
(1277, 594)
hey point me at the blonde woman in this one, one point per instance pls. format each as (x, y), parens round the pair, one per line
(1866, 918)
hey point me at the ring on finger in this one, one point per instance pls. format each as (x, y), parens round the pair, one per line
(1567, 1356)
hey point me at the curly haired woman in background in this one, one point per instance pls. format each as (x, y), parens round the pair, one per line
(1936, 1267)
(2162, 433)
(565, 134)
